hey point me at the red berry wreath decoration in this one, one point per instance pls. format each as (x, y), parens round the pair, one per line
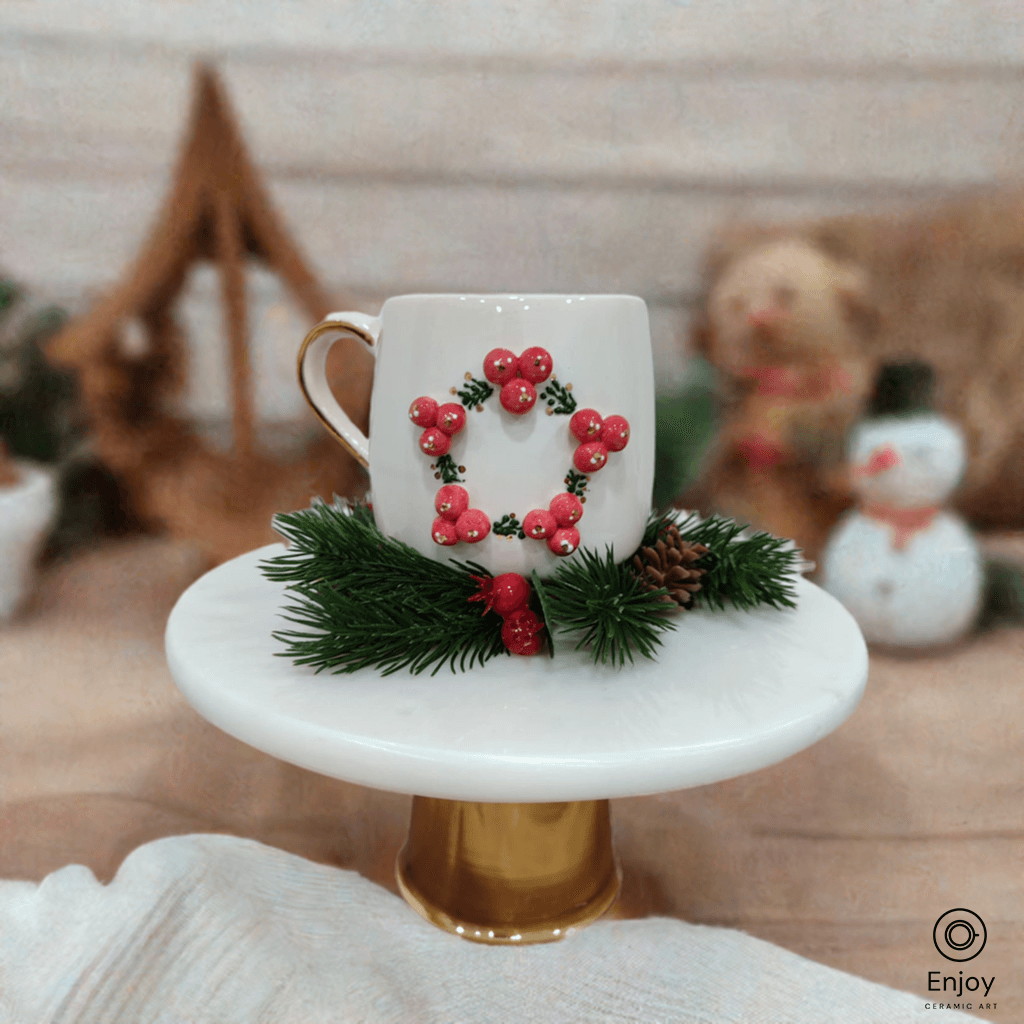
(517, 377)
(509, 596)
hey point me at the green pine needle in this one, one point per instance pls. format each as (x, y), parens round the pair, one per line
(476, 392)
(576, 483)
(508, 526)
(558, 398)
(361, 599)
(545, 608)
(449, 470)
(606, 603)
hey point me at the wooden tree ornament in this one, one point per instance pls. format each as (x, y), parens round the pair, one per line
(129, 354)
(9, 474)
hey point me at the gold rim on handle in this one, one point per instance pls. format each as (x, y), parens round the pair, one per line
(322, 328)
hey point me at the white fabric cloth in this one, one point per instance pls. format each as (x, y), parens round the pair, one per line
(213, 928)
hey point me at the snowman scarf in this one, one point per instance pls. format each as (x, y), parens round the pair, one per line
(902, 522)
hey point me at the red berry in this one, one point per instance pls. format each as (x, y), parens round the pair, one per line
(615, 433)
(589, 458)
(566, 508)
(539, 524)
(527, 648)
(435, 442)
(565, 541)
(472, 526)
(519, 633)
(443, 532)
(451, 418)
(518, 396)
(500, 365)
(504, 593)
(423, 411)
(509, 592)
(451, 501)
(586, 425)
(535, 364)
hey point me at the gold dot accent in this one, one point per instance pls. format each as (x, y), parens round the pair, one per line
(583, 500)
(452, 391)
(550, 412)
(479, 408)
(467, 376)
(437, 476)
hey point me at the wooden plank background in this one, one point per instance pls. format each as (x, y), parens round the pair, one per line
(487, 146)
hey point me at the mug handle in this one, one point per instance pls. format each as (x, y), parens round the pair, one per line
(313, 376)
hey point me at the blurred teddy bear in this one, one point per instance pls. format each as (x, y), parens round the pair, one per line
(942, 284)
(780, 323)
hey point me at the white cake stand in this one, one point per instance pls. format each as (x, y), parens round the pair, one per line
(512, 765)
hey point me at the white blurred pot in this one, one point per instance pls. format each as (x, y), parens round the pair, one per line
(26, 512)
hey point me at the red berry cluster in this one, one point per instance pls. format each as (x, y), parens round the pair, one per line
(441, 421)
(556, 524)
(517, 376)
(598, 437)
(455, 519)
(509, 595)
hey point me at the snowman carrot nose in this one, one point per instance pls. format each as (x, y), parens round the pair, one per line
(879, 461)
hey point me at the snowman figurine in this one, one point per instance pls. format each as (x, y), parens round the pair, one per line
(909, 572)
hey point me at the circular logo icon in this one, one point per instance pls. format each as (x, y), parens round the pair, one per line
(959, 934)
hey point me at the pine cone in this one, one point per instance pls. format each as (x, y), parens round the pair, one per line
(670, 564)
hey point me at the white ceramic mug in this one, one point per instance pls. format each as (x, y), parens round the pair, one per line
(434, 346)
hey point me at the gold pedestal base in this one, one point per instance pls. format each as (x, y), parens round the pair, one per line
(509, 873)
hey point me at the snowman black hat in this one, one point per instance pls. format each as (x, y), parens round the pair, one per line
(902, 389)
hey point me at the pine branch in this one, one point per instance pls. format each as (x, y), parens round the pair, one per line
(545, 609)
(509, 526)
(559, 399)
(362, 599)
(448, 470)
(747, 571)
(475, 392)
(576, 483)
(606, 604)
